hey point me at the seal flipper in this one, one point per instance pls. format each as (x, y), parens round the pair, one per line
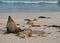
(8, 30)
(20, 30)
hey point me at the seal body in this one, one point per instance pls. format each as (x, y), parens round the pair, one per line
(34, 21)
(11, 26)
(38, 33)
(25, 34)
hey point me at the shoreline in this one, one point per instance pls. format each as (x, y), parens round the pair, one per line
(30, 12)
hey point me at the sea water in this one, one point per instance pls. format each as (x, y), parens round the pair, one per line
(16, 6)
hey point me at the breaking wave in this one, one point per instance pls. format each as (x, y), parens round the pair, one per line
(31, 2)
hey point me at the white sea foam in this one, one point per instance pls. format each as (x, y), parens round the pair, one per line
(29, 1)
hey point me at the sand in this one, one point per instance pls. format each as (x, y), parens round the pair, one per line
(54, 37)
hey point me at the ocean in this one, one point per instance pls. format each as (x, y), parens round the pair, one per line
(17, 6)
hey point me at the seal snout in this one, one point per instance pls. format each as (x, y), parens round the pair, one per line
(10, 18)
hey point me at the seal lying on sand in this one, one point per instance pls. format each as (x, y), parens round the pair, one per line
(29, 33)
(25, 34)
(11, 26)
(36, 33)
(32, 21)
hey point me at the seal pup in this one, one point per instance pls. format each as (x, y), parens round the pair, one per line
(36, 33)
(25, 34)
(39, 33)
(11, 26)
(32, 21)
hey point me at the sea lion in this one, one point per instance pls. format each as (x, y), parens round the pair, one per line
(11, 26)
(31, 33)
(25, 34)
(36, 33)
(32, 21)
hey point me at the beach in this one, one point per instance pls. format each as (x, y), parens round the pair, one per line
(54, 19)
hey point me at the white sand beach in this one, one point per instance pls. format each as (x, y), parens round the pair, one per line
(54, 19)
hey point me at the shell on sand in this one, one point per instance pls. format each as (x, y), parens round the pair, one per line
(11, 26)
